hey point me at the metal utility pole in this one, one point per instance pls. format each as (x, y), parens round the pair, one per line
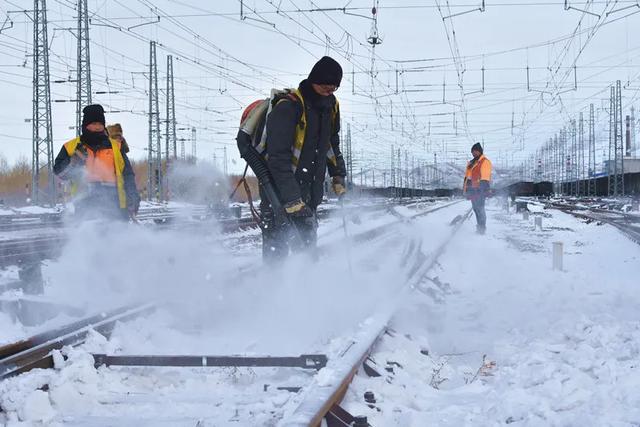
(393, 169)
(226, 169)
(592, 153)
(154, 182)
(556, 169)
(561, 160)
(183, 154)
(573, 159)
(610, 181)
(616, 143)
(170, 138)
(628, 136)
(194, 148)
(435, 167)
(399, 169)
(581, 186)
(349, 157)
(619, 157)
(633, 133)
(566, 166)
(42, 154)
(83, 64)
(406, 164)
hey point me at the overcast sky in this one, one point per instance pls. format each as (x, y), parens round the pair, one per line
(223, 62)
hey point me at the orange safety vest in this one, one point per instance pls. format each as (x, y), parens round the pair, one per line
(103, 166)
(478, 171)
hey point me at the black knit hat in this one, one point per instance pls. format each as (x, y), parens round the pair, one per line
(326, 72)
(477, 147)
(93, 113)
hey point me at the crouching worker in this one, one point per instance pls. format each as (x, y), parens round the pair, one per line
(98, 167)
(291, 155)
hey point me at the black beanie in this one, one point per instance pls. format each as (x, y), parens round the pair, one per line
(93, 113)
(477, 147)
(326, 72)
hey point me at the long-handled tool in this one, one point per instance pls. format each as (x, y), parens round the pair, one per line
(346, 234)
(260, 169)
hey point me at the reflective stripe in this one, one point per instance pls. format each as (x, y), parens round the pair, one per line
(301, 134)
(250, 121)
(332, 157)
(102, 184)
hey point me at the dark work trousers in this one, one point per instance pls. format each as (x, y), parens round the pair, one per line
(477, 203)
(278, 240)
(100, 201)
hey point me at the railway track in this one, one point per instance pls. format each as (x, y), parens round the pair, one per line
(36, 351)
(318, 400)
(321, 400)
(628, 224)
(33, 242)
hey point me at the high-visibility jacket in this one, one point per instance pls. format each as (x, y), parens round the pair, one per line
(301, 130)
(477, 171)
(103, 166)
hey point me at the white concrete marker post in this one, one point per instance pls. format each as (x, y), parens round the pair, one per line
(539, 222)
(557, 256)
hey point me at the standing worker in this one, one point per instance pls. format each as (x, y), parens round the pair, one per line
(476, 185)
(302, 144)
(100, 165)
(115, 132)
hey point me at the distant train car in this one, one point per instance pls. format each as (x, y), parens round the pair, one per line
(521, 189)
(543, 189)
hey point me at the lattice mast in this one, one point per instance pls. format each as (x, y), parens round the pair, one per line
(154, 176)
(42, 143)
(194, 144)
(83, 64)
(591, 191)
(170, 139)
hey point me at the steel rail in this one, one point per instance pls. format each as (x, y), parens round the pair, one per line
(624, 223)
(323, 396)
(18, 346)
(36, 352)
(44, 246)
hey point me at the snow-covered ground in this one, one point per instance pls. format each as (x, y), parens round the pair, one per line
(304, 308)
(497, 337)
(494, 336)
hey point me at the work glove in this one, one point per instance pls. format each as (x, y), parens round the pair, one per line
(302, 216)
(298, 209)
(338, 185)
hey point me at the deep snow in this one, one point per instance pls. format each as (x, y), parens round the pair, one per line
(494, 336)
(497, 337)
(303, 308)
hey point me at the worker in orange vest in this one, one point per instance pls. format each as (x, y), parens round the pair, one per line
(115, 132)
(477, 180)
(100, 164)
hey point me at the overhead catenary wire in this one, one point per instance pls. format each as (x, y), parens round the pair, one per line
(406, 107)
